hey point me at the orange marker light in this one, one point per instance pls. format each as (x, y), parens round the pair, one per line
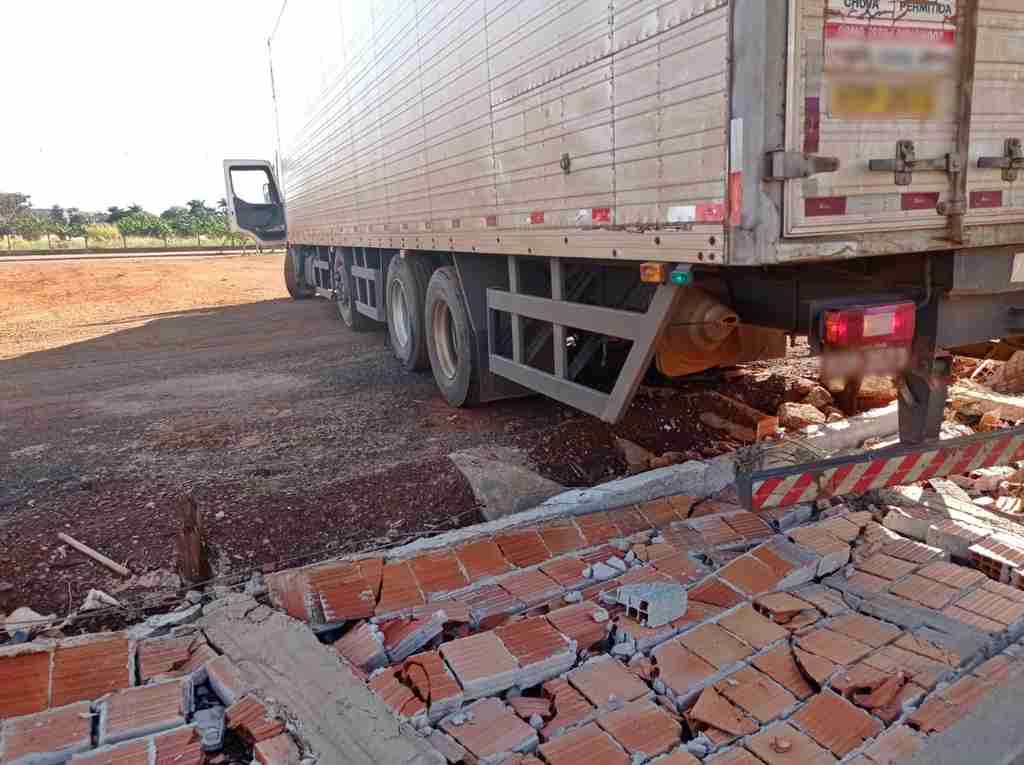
(654, 273)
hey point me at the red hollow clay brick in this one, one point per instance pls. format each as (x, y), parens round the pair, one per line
(642, 727)
(482, 558)
(144, 710)
(523, 548)
(797, 749)
(752, 628)
(178, 747)
(680, 669)
(490, 730)
(781, 667)
(568, 707)
(715, 645)
(604, 681)
(530, 587)
(346, 589)
(26, 680)
(251, 719)
(279, 750)
(89, 667)
(836, 724)
(172, 657)
(567, 571)
(438, 572)
(588, 744)
(562, 538)
(586, 623)
(128, 753)
(399, 589)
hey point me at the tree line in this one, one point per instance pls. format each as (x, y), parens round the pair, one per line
(194, 219)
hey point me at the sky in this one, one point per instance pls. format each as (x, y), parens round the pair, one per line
(120, 102)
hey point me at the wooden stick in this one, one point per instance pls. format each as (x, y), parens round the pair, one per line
(100, 558)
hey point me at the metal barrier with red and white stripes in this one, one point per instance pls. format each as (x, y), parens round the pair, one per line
(894, 466)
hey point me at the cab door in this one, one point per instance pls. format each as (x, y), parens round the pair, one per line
(254, 201)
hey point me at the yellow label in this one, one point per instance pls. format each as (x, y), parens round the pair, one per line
(861, 99)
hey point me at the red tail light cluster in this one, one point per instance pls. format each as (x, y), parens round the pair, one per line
(870, 325)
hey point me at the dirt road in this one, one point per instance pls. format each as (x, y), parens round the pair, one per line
(124, 384)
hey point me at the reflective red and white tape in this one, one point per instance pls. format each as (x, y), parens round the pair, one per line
(782, 488)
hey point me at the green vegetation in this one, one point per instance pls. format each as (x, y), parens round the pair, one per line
(189, 225)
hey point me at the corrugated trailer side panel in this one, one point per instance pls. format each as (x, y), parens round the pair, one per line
(443, 124)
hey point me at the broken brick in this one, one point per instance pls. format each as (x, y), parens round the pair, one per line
(482, 664)
(660, 513)
(58, 732)
(588, 744)
(528, 706)
(991, 606)
(867, 630)
(144, 710)
(714, 531)
(756, 694)
(568, 707)
(291, 592)
(279, 750)
(715, 645)
(817, 668)
(681, 567)
(680, 669)
(395, 694)
(781, 667)
(490, 601)
(896, 745)
(226, 680)
(715, 711)
(603, 681)
(752, 628)
(748, 525)
(911, 551)
(642, 727)
(630, 522)
(432, 681)
(973, 620)
(88, 667)
(346, 590)
(173, 657)
(399, 589)
(482, 558)
(952, 575)
(542, 651)
(782, 744)
(836, 724)
(597, 529)
(523, 548)
(363, 647)
(250, 718)
(586, 623)
(925, 672)
(837, 648)
(178, 747)
(491, 731)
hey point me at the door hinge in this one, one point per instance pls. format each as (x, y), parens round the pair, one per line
(1011, 163)
(787, 165)
(905, 164)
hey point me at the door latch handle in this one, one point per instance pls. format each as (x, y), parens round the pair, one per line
(905, 164)
(787, 165)
(1011, 163)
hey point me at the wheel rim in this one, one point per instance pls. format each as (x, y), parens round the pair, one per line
(399, 314)
(341, 289)
(446, 342)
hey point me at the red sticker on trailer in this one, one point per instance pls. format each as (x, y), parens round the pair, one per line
(491, 220)
(919, 201)
(710, 212)
(601, 215)
(812, 125)
(986, 199)
(536, 217)
(821, 207)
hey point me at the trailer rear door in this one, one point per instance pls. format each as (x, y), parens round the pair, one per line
(996, 194)
(875, 84)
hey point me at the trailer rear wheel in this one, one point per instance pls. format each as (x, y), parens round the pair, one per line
(450, 339)
(297, 290)
(344, 290)
(406, 291)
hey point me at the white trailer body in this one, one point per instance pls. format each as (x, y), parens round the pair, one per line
(523, 188)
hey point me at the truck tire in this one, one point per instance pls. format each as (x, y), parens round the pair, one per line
(450, 339)
(296, 289)
(344, 289)
(405, 291)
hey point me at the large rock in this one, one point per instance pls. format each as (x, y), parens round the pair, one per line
(797, 416)
(502, 480)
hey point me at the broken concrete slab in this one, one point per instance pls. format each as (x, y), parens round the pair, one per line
(502, 480)
(343, 721)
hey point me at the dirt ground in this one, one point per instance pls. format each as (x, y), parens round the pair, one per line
(125, 384)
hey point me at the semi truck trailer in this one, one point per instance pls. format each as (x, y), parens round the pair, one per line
(564, 196)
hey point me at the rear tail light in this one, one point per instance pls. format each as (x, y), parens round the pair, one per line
(870, 325)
